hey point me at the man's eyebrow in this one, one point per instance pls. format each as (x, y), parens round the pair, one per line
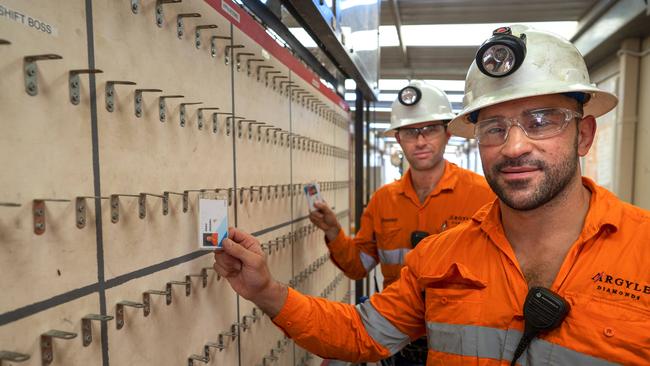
(491, 116)
(535, 109)
(526, 111)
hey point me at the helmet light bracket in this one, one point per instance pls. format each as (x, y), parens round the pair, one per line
(409, 95)
(505, 53)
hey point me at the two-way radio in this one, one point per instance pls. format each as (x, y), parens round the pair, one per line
(544, 310)
(417, 236)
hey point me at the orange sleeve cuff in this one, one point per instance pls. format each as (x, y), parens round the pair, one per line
(293, 316)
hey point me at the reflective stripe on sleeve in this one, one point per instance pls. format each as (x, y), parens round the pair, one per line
(367, 260)
(499, 344)
(380, 329)
(394, 256)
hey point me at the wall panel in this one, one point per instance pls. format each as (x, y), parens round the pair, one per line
(43, 137)
(158, 120)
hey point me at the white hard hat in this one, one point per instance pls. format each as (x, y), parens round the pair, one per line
(416, 103)
(551, 65)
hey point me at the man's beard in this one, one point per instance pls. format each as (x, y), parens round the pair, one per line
(555, 180)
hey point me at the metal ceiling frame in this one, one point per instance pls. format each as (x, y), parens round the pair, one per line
(398, 26)
(270, 20)
(603, 35)
(592, 16)
(310, 18)
(593, 37)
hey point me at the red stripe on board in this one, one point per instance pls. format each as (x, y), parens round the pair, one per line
(256, 32)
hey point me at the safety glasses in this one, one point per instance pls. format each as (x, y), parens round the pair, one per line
(428, 132)
(537, 124)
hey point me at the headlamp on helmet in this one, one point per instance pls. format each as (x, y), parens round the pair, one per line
(501, 54)
(409, 95)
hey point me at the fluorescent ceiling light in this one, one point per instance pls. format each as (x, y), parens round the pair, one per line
(378, 125)
(388, 36)
(398, 84)
(303, 37)
(387, 97)
(365, 40)
(392, 84)
(391, 97)
(446, 85)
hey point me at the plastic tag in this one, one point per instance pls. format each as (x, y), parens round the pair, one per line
(213, 220)
(312, 191)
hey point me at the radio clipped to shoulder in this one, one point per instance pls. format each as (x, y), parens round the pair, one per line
(544, 310)
(417, 236)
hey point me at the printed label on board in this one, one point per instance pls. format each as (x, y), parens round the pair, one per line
(228, 9)
(27, 20)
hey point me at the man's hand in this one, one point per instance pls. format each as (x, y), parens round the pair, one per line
(325, 219)
(243, 264)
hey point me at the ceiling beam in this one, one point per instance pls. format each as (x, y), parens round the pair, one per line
(602, 39)
(398, 26)
(415, 12)
(594, 13)
(271, 20)
(311, 20)
(433, 72)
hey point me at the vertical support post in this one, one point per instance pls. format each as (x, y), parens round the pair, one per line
(358, 174)
(641, 184)
(368, 169)
(368, 153)
(626, 121)
(375, 164)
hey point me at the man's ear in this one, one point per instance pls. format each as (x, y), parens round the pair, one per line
(586, 134)
(397, 137)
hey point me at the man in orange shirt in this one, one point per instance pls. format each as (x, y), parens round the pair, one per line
(553, 272)
(433, 195)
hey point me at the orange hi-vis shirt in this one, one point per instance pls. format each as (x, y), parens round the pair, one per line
(465, 290)
(394, 212)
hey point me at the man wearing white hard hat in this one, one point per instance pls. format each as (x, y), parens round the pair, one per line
(553, 272)
(433, 195)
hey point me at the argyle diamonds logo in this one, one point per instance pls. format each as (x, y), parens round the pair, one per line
(619, 286)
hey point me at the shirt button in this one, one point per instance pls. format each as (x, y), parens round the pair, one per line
(289, 324)
(443, 300)
(609, 332)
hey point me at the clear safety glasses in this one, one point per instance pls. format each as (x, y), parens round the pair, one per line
(537, 124)
(428, 132)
